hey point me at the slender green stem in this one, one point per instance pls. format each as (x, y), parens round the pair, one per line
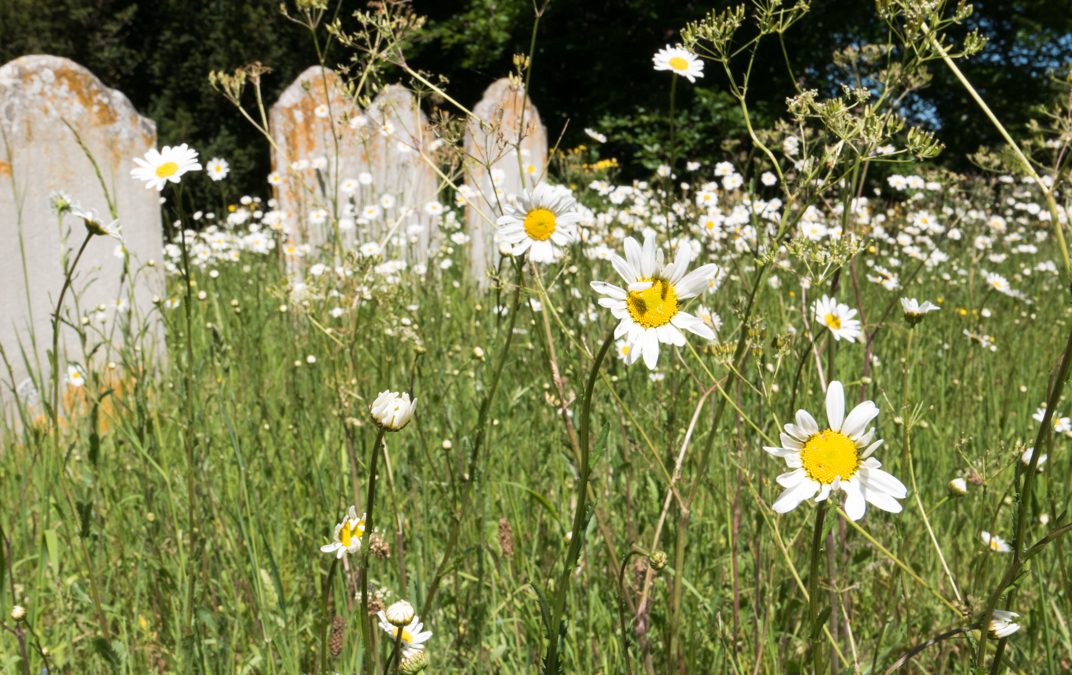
(56, 333)
(1019, 556)
(370, 502)
(550, 666)
(188, 432)
(325, 603)
(813, 589)
(474, 455)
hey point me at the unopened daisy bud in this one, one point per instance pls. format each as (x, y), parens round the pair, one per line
(18, 613)
(392, 410)
(478, 353)
(414, 663)
(958, 486)
(658, 560)
(1003, 623)
(400, 613)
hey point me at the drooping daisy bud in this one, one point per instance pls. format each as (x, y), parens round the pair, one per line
(392, 410)
(958, 487)
(914, 310)
(414, 663)
(399, 613)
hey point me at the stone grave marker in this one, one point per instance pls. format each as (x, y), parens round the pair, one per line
(49, 108)
(505, 152)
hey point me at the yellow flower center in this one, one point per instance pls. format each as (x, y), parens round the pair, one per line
(828, 455)
(540, 224)
(678, 63)
(832, 322)
(166, 170)
(655, 306)
(347, 534)
(407, 637)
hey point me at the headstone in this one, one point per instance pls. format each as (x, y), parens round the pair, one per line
(314, 126)
(506, 151)
(401, 151)
(39, 153)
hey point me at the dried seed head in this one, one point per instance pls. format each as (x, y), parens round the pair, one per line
(379, 547)
(338, 636)
(506, 538)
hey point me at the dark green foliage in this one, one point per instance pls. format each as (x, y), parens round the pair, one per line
(592, 65)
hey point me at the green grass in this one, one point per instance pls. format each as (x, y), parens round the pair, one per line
(102, 507)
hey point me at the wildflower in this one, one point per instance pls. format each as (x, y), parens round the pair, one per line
(999, 284)
(399, 614)
(60, 201)
(995, 543)
(914, 311)
(595, 135)
(647, 308)
(347, 536)
(838, 318)
(836, 458)
(1025, 459)
(410, 635)
(958, 487)
(160, 167)
(1061, 425)
(414, 663)
(679, 61)
(392, 411)
(543, 219)
(218, 169)
(1003, 623)
(75, 377)
(96, 226)
(18, 613)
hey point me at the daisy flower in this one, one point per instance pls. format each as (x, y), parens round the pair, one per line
(999, 284)
(835, 458)
(160, 167)
(914, 310)
(218, 169)
(347, 536)
(647, 308)
(1061, 425)
(97, 226)
(543, 220)
(838, 318)
(1003, 624)
(995, 543)
(679, 61)
(411, 635)
(75, 378)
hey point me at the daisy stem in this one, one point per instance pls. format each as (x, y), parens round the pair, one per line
(550, 666)
(398, 651)
(370, 502)
(56, 333)
(188, 432)
(813, 588)
(481, 434)
(325, 602)
(1019, 556)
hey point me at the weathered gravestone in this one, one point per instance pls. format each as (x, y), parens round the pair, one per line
(47, 104)
(506, 150)
(314, 126)
(400, 151)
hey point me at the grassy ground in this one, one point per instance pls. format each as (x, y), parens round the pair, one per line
(98, 546)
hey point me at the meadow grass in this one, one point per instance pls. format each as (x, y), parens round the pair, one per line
(167, 514)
